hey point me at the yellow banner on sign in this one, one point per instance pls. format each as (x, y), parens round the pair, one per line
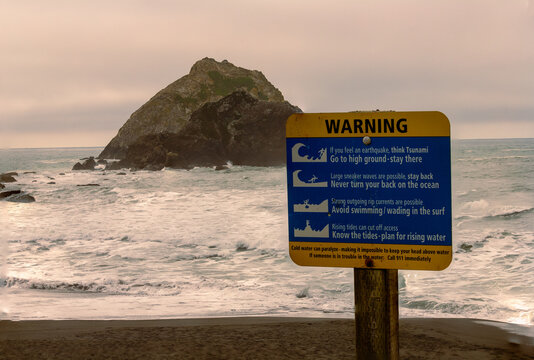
(378, 256)
(373, 124)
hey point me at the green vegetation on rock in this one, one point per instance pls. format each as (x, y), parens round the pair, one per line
(223, 85)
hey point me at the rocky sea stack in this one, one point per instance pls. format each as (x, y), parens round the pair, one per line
(166, 126)
(238, 128)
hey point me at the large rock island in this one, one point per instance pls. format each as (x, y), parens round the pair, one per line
(169, 117)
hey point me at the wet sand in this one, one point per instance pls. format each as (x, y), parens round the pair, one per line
(250, 338)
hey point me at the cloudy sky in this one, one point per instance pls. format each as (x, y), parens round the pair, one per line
(72, 72)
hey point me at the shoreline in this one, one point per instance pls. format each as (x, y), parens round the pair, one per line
(252, 338)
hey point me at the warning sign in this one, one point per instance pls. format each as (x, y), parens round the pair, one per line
(370, 190)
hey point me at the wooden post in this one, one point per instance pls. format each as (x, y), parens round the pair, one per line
(376, 297)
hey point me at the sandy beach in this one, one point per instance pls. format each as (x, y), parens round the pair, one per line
(250, 338)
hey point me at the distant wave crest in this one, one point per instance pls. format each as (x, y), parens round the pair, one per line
(451, 307)
(482, 209)
(511, 213)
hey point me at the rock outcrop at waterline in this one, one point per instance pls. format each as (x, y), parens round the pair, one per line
(171, 108)
(88, 164)
(8, 177)
(5, 194)
(16, 195)
(238, 128)
(20, 198)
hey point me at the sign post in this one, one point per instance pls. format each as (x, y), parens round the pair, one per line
(376, 310)
(371, 191)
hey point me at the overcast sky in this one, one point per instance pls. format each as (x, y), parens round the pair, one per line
(72, 72)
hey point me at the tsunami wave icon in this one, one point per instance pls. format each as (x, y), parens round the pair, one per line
(296, 157)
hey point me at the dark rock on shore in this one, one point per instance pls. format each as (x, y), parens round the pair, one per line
(88, 164)
(16, 196)
(238, 128)
(88, 185)
(8, 177)
(5, 194)
(2, 186)
(21, 198)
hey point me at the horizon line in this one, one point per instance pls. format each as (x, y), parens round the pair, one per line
(52, 147)
(102, 146)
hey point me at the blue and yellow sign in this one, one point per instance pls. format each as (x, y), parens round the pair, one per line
(370, 190)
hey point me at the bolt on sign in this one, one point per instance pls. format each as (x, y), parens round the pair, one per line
(370, 190)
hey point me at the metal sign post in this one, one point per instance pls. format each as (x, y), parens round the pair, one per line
(370, 191)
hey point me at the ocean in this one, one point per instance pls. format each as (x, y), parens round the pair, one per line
(206, 243)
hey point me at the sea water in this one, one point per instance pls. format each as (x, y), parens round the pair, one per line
(205, 243)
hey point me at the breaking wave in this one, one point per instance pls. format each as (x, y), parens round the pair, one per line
(109, 287)
(511, 213)
(483, 209)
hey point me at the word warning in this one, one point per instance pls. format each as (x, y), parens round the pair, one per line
(370, 190)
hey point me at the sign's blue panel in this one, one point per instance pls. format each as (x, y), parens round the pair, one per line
(393, 191)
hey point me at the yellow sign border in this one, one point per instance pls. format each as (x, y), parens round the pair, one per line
(372, 124)
(380, 256)
(418, 124)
